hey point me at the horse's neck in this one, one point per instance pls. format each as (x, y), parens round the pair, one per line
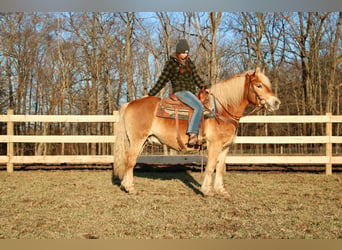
(228, 111)
(239, 112)
(222, 107)
(231, 94)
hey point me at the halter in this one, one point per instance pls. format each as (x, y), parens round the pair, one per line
(261, 102)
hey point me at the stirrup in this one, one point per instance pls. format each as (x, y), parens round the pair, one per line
(193, 139)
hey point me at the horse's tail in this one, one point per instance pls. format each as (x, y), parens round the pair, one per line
(121, 145)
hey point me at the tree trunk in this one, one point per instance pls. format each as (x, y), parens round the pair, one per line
(215, 19)
(331, 81)
(129, 30)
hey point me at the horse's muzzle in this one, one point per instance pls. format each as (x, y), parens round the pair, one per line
(273, 104)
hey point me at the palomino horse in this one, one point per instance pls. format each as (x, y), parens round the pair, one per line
(138, 121)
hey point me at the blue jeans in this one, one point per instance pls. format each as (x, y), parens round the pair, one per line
(192, 101)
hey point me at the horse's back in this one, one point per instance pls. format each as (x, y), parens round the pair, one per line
(140, 113)
(146, 105)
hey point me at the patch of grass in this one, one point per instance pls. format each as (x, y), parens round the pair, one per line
(86, 205)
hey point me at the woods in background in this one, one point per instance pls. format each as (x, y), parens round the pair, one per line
(90, 63)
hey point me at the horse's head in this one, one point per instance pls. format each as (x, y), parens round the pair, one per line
(259, 91)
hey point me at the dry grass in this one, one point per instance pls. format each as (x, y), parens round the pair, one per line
(85, 204)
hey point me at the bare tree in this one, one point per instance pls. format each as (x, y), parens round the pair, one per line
(336, 58)
(164, 20)
(89, 63)
(215, 19)
(202, 34)
(306, 35)
(253, 30)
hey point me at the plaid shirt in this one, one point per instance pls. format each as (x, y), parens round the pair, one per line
(186, 81)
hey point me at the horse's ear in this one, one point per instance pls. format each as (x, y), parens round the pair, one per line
(257, 71)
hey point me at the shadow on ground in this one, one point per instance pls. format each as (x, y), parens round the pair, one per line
(179, 172)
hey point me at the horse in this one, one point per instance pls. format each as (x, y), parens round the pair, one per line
(138, 122)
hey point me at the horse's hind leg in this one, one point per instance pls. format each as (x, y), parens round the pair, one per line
(134, 150)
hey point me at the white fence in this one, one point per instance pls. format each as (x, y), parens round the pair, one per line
(328, 159)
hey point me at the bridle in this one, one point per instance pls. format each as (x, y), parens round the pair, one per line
(261, 103)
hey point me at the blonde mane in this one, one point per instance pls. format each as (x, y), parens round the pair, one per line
(230, 91)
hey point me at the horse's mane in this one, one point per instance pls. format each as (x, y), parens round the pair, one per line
(230, 91)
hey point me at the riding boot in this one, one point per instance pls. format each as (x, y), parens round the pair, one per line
(193, 139)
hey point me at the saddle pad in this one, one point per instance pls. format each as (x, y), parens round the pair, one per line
(168, 102)
(166, 109)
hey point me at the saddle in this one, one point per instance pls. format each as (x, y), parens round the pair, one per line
(171, 107)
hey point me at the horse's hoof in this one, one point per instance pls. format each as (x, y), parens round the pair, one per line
(132, 191)
(223, 193)
(208, 193)
(129, 190)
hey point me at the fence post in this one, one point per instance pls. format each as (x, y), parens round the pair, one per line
(328, 150)
(115, 125)
(9, 142)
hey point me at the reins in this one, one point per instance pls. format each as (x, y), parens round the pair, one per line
(236, 118)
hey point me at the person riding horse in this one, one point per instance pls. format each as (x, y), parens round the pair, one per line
(182, 73)
(231, 98)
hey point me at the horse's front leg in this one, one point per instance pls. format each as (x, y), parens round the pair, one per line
(220, 170)
(207, 188)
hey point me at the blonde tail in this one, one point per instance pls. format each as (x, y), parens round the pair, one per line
(121, 145)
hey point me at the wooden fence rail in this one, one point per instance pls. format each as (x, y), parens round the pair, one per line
(328, 140)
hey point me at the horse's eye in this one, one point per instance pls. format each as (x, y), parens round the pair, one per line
(259, 86)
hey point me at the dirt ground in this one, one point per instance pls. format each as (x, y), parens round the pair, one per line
(86, 204)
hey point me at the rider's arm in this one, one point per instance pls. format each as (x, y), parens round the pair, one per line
(163, 79)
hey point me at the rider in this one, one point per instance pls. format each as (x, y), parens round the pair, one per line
(182, 73)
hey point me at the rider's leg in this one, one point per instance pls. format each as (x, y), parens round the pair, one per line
(192, 101)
